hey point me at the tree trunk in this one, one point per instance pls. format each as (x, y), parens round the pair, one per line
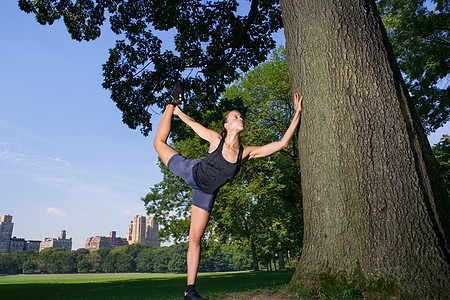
(252, 245)
(254, 256)
(375, 209)
(289, 259)
(281, 260)
(280, 257)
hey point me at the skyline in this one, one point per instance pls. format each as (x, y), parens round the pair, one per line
(67, 162)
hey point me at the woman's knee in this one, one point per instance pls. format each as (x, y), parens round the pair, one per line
(195, 238)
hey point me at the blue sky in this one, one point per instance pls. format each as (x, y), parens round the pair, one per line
(66, 159)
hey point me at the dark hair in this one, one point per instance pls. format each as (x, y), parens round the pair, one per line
(224, 120)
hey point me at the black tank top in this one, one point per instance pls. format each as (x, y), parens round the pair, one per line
(214, 171)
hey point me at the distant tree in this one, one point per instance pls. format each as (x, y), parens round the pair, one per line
(109, 262)
(125, 263)
(144, 261)
(160, 260)
(442, 152)
(32, 262)
(58, 261)
(177, 261)
(81, 261)
(29, 267)
(83, 265)
(103, 252)
(103, 256)
(267, 191)
(9, 264)
(94, 261)
(68, 262)
(133, 250)
(420, 40)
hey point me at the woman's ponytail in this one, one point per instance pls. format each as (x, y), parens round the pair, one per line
(224, 131)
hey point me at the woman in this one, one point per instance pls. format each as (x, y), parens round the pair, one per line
(221, 164)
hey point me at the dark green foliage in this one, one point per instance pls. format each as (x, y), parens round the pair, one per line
(268, 190)
(144, 261)
(9, 264)
(126, 259)
(211, 42)
(442, 153)
(420, 40)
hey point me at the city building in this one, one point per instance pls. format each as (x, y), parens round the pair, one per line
(60, 243)
(143, 231)
(6, 229)
(94, 243)
(129, 236)
(152, 233)
(138, 232)
(11, 245)
(17, 245)
(33, 245)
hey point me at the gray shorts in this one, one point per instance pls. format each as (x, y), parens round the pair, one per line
(182, 167)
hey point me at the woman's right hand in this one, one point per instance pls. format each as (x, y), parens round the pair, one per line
(177, 111)
(298, 102)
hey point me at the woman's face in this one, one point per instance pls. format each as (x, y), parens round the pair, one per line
(234, 121)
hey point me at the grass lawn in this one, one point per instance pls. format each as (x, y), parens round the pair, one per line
(134, 285)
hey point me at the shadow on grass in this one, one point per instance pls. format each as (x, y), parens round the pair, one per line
(209, 285)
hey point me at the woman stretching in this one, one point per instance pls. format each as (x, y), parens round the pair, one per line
(207, 176)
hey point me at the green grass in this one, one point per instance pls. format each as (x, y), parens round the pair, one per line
(135, 285)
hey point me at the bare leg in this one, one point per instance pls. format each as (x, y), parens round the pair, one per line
(199, 220)
(165, 152)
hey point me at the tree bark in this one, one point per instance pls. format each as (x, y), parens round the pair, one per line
(375, 209)
(280, 256)
(252, 245)
(281, 260)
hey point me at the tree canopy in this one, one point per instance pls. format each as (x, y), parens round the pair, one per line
(420, 40)
(211, 41)
(215, 40)
(442, 153)
(130, 258)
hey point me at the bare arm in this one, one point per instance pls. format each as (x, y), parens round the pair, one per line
(203, 132)
(263, 151)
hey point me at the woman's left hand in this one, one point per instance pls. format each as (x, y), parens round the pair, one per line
(298, 102)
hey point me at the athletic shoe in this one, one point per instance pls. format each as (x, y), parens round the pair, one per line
(192, 295)
(177, 97)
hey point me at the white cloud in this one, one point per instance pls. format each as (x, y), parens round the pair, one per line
(12, 157)
(21, 130)
(57, 172)
(55, 211)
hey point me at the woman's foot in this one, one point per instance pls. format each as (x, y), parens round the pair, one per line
(177, 97)
(192, 295)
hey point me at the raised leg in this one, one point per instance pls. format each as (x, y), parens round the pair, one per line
(165, 152)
